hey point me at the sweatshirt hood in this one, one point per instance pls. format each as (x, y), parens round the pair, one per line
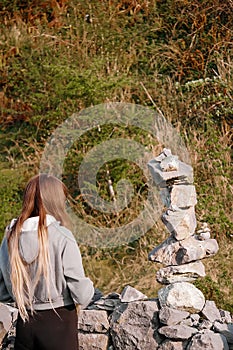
(28, 242)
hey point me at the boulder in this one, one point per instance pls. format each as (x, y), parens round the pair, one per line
(169, 316)
(182, 296)
(93, 341)
(208, 340)
(134, 326)
(93, 321)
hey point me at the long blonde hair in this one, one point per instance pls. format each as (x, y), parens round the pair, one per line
(44, 194)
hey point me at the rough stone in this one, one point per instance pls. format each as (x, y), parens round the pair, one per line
(204, 235)
(173, 252)
(93, 341)
(179, 332)
(134, 325)
(181, 224)
(169, 316)
(181, 273)
(93, 321)
(187, 322)
(184, 174)
(170, 163)
(225, 329)
(208, 340)
(8, 316)
(165, 153)
(183, 196)
(195, 319)
(182, 296)
(210, 311)
(131, 294)
(205, 324)
(173, 345)
(226, 316)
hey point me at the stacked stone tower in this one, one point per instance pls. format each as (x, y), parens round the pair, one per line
(181, 253)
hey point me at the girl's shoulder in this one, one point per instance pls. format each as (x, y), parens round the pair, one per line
(64, 233)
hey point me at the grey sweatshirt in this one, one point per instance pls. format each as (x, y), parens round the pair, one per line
(68, 283)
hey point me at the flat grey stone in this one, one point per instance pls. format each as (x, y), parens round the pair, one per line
(131, 294)
(179, 332)
(100, 307)
(182, 296)
(134, 326)
(93, 321)
(160, 178)
(181, 273)
(208, 340)
(104, 304)
(107, 302)
(170, 316)
(181, 224)
(173, 252)
(210, 311)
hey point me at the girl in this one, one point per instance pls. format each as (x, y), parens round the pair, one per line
(41, 269)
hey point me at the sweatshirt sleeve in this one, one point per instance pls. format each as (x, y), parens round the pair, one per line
(5, 296)
(81, 288)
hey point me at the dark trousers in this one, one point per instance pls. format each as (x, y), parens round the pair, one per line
(47, 330)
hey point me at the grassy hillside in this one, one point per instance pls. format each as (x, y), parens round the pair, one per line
(173, 56)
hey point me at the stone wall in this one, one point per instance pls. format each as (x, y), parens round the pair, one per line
(179, 317)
